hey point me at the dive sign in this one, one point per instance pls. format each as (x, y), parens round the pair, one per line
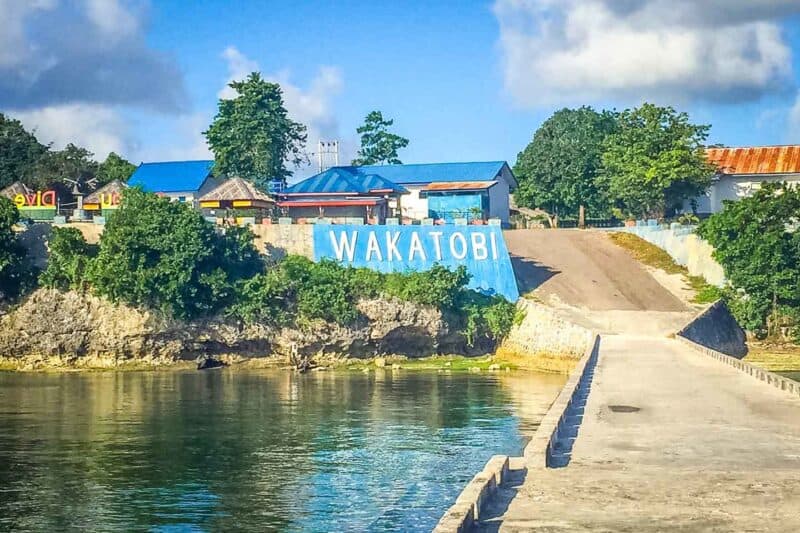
(481, 249)
(36, 200)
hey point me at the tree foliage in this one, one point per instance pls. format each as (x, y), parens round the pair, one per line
(69, 257)
(71, 163)
(655, 161)
(14, 271)
(378, 145)
(558, 170)
(114, 168)
(19, 152)
(252, 135)
(162, 254)
(758, 245)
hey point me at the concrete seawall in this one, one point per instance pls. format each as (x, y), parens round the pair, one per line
(685, 248)
(715, 328)
(552, 438)
(544, 331)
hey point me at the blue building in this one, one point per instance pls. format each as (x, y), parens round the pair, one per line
(183, 181)
(477, 190)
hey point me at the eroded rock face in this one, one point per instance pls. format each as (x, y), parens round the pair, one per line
(83, 330)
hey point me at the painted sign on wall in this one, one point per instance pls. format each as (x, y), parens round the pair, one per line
(481, 249)
(36, 200)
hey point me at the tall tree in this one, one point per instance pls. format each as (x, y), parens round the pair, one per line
(252, 135)
(655, 161)
(114, 168)
(14, 273)
(378, 145)
(19, 152)
(71, 163)
(558, 170)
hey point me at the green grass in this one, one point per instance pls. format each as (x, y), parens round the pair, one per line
(653, 256)
(780, 358)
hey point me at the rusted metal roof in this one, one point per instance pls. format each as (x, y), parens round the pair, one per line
(756, 160)
(458, 186)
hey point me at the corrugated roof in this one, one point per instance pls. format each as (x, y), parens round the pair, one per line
(756, 159)
(459, 186)
(111, 187)
(434, 172)
(171, 176)
(235, 189)
(14, 189)
(341, 180)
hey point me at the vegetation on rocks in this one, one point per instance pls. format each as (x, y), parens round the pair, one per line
(15, 273)
(756, 240)
(157, 254)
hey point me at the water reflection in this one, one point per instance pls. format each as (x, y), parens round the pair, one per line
(252, 451)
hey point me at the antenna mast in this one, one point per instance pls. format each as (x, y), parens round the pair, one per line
(327, 154)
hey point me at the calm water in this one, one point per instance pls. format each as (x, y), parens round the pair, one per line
(252, 451)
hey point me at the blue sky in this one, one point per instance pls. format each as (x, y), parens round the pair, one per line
(463, 80)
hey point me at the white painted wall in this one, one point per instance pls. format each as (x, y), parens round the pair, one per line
(413, 206)
(499, 201)
(735, 188)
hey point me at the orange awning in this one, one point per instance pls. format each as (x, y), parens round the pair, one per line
(459, 186)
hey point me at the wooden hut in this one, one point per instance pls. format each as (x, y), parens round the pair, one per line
(105, 199)
(237, 198)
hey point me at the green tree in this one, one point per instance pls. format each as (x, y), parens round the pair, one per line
(758, 245)
(69, 257)
(558, 170)
(114, 168)
(252, 135)
(165, 255)
(71, 163)
(655, 161)
(378, 146)
(19, 152)
(14, 272)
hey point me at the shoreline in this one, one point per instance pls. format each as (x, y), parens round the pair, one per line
(502, 361)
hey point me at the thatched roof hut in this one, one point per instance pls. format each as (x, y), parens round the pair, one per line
(106, 197)
(14, 189)
(235, 192)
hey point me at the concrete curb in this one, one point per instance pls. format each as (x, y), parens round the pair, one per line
(770, 378)
(461, 517)
(539, 451)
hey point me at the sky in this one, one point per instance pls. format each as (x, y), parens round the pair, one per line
(463, 80)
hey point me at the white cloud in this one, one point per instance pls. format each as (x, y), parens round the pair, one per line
(794, 121)
(112, 18)
(188, 141)
(559, 51)
(239, 67)
(99, 129)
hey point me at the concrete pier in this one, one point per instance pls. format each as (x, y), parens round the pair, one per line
(670, 439)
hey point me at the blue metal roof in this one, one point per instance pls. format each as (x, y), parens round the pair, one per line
(418, 174)
(361, 180)
(171, 176)
(342, 180)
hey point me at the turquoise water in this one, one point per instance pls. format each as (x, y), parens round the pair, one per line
(252, 451)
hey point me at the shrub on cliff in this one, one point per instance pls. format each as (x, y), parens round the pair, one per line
(165, 255)
(15, 273)
(757, 242)
(298, 288)
(68, 260)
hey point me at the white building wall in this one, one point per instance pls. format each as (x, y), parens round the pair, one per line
(735, 188)
(412, 205)
(499, 201)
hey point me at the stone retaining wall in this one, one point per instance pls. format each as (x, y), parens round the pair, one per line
(544, 332)
(716, 328)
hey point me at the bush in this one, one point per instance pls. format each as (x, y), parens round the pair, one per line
(68, 260)
(755, 242)
(299, 289)
(15, 273)
(165, 255)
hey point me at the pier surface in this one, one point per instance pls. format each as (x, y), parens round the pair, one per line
(670, 440)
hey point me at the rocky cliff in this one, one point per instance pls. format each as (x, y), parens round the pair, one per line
(52, 328)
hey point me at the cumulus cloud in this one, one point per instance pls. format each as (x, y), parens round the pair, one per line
(559, 51)
(97, 128)
(84, 52)
(312, 106)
